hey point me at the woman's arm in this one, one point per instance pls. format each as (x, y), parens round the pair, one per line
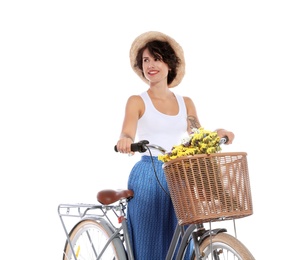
(193, 121)
(192, 117)
(133, 111)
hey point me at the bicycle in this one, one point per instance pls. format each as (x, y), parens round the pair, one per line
(95, 236)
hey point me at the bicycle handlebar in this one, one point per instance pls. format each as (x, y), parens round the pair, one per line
(137, 147)
(223, 140)
(142, 146)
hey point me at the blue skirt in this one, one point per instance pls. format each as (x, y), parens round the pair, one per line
(151, 216)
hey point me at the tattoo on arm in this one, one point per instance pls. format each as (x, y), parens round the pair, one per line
(193, 122)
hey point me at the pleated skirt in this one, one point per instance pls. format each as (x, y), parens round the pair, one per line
(151, 216)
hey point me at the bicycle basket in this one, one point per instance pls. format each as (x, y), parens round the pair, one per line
(211, 187)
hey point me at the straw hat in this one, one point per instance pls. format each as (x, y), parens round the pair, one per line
(146, 37)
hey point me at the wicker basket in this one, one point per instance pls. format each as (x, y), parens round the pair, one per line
(211, 187)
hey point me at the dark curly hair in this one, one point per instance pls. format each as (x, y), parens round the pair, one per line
(163, 51)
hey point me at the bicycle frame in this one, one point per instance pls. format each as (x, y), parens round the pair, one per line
(182, 234)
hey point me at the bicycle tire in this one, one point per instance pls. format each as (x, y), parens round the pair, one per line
(88, 238)
(224, 246)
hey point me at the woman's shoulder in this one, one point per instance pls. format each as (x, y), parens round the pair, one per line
(135, 104)
(189, 103)
(135, 99)
(138, 97)
(187, 99)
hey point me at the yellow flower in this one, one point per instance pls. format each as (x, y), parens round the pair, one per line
(201, 141)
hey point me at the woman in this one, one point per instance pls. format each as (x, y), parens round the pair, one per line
(162, 117)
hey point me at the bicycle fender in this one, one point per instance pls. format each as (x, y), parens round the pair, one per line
(101, 221)
(213, 232)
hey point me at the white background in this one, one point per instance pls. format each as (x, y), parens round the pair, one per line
(65, 77)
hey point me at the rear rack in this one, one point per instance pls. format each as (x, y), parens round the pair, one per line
(91, 211)
(81, 210)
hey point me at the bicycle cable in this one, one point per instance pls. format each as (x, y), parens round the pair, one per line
(155, 171)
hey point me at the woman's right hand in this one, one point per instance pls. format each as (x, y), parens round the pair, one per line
(123, 145)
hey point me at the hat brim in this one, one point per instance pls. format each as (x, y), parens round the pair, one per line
(144, 38)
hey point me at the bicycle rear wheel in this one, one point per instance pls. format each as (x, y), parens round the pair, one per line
(88, 238)
(223, 246)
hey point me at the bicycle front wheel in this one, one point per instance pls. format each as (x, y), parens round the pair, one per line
(223, 246)
(88, 239)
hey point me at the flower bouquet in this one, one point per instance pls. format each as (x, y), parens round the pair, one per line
(200, 141)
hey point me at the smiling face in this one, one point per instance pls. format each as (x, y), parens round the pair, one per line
(159, 51)
(154, 69)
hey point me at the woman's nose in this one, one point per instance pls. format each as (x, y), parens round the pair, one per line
(150, 64)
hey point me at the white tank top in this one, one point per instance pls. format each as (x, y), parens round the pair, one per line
(161, 129)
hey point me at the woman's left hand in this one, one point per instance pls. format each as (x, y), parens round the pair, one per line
(223, 133)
